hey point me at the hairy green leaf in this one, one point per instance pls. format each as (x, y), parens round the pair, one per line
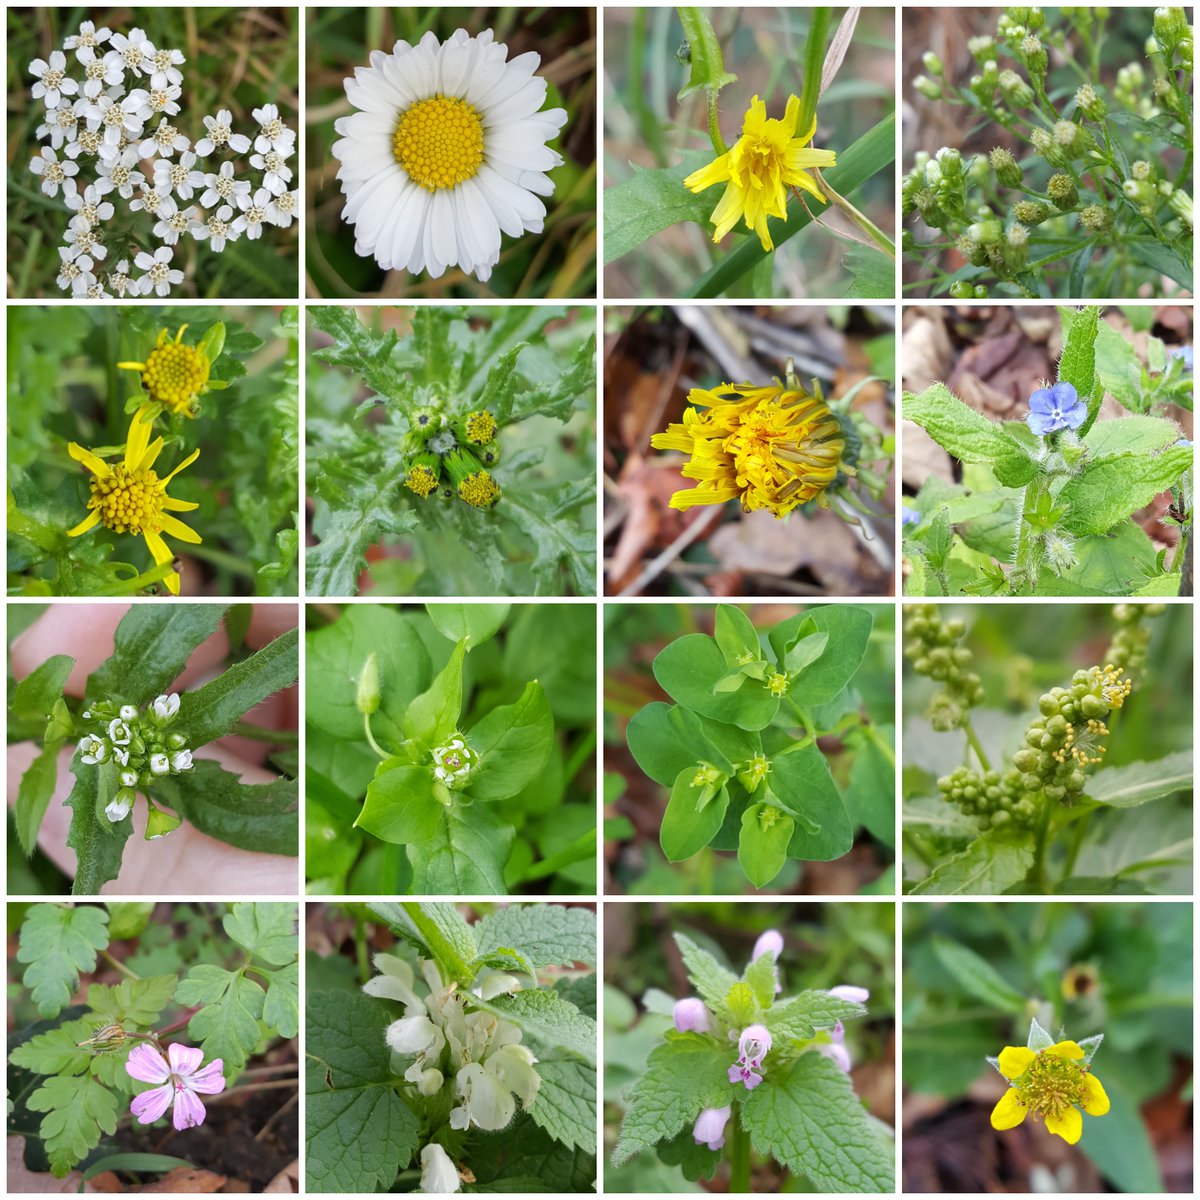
(547, 934)
(987, 867)
(34, 696)
(1111, 489)
(78, 1112)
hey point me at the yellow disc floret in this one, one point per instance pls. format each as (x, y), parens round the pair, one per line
(479, 490)
(421, 480)
(480, 427)
(439, 142)
(174, 374)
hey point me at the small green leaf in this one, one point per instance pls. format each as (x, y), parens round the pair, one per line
(566, 1102)
(763, 843)
(988, 866)
(34, 794)
(871, 796)
(1130, 435)
(763, 978)
(34, 696)
(1111, 489)
(686, 826)
(137, 1002)
(654, 743)
(474, 623)
(58, 943)
(439, 930)
(98, 844)
(56, 1052)
(433, 716)
(548, 1022)
(735, 636)
(978, 978)
(848, 630)
(400, 806)
(801, 1017)
(1077, 363)
(708, 976)
(281, 1009)
(651, 200)
(78, 1111)
(689, 669)
(267, 930)
(231, 1006)
(513, 742)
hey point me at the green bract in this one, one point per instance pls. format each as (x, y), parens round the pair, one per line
(1051, 515)
(738, 778)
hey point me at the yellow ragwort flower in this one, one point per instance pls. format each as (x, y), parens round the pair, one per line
(769, 447)
(1053, 1084)
(174, 373)
(128, 497)
(759, 168)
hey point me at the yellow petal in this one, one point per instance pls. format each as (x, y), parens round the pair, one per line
(173, 505)
(1009, 1111)
(1095, 1098)
(177, 529)
(158, 548)
(129, 366)
(87, 523)
(791, 115)
(97, 466)
(149, 458)
(1071, 1050)
(696, 495)
(187, 462)
(1068, 1127)
(136, 441)
(1014, 1061)
(717, 171)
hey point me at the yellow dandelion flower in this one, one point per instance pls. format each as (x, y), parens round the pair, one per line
(128, 497)
(769, 447)
(759, 168)
(1052, 1084)
(174, 373)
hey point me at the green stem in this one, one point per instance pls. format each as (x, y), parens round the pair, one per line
(714, 122)
(371, 738)
(361, 953)
(739, 1153)
(580, 848)
(580, 755)
(814, 61)
(120, 966)
(976, 745)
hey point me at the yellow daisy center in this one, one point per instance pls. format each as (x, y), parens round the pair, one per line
(479, 490)
(1051, 1085)
(421, 480)
(439, 142)
(128, 501)
(174, 374)
(481, 427)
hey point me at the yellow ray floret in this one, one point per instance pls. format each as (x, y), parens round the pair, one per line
(769, 447)
(1053, 1084)
(759, 168)
(129, 497)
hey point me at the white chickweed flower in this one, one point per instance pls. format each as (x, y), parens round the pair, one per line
(158, 278)
(52, 80)
(447, 152)
(220, 133)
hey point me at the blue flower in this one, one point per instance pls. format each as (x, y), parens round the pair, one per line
(1184, 443)
(909, 516)
(1054, 408)
(1184, 352)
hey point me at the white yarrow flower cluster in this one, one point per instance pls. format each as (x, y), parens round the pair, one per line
(117, 124)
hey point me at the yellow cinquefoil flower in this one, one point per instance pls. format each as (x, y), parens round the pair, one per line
(128, 497)
(759, 168)
(769, 447)
(174, 373)
(1054, 1084)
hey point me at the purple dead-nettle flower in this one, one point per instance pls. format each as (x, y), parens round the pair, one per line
(220, 133)
(52, 80)
(100, 73)
(770, 943)
(137, 50)
(182, 1081)
(691, 1016)
(753, 1046)
(835, 1048)
(1055, 408)
(847, 991)
(53, 174)
(87, 41)
(709, 1129)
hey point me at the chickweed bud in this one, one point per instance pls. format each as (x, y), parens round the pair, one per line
(1030, 212)
(1062, 191)
(1007, 170)
(367, 697)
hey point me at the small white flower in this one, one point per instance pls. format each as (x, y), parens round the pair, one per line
(119, 118)
(166, 706)
(439, 1176)
(163, 100)
(87, 140)
(170, 227)
(220, 133)
(166, 73)
(122, 756)
(95, 290)
(129, 712)
(91, 209)
(118, 810)
(53, 173)
(100, 73)
(118, 732)
(136, 49)
(158, 277)
(118, 279)
(282, 209)
(221, 187)
(177, 177)
(122, 173)
(181, 760)
(276, 173)
(93, 750)
(52, 80)
(87, 41)
(60, 125)
(217, 228)
(82, 240)
(274, 135)
(151, 200)
(128, 778)
(253, 214)
(159, 764)
(164, 141)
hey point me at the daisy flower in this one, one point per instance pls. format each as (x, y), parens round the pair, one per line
(282, 209)
(121, 172)
(446, 153)
(159, 277)
(171, 226)
(760, 167)
(73, 269)
(220, 133)
(182, 1081)
(128, 496)
(221, 187)
(274, 134)
(54, 174)
(276, 173)
(166, 65)
(137, 51)
(254, 212)
(86, 42)
(89, 206)
(52, 80)
(177, 177)
(164, 141)
(152, 200)
(118, 118)
(83, 240)
(102, 72)
(60, 125)
(162, 100)
(217, 227)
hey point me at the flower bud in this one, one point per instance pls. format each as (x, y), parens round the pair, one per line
(430, 1082)
(1180, 203)
(424, 473)
(425, 422)
(479, 427)
(1015, 90)
(691, 1016)
(176, 741)
(846, 991)
(159, 824)
(1089, 103)
(982, 49)
(1030, 212)
(1141, 169)
(1008, 172)
(165, 708)
(489, 453)
(960, 289)
(1170, 25)
(439, 1175)
(932, 63)
(1142, 193)
(128, 712)
(709, 1129)
(770, 943)
(1062, 191)
(1016, 248)
(181, 760)
(928, 88)
(367, 696)
(951, 164)
(1096, 219)
(159, 764)
(971, 250)
(1033, 55)
(986, 233)
(105, 1038)
(118, 807)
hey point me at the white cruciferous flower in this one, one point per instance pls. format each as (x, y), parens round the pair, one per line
(447, 152)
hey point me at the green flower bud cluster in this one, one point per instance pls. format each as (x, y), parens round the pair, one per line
(451, 457)
(1070, 735)
(931, 645)
(141, 748)
(1128, 647)
(996, 801)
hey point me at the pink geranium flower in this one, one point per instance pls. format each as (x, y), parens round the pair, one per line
(181, 1078)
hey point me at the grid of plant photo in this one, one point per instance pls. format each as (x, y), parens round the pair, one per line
(600, 600)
